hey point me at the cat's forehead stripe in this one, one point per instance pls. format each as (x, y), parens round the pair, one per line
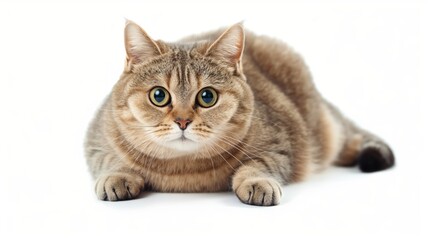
(179, 59)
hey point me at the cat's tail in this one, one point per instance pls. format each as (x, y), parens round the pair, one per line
(364, 149)
(374, 154)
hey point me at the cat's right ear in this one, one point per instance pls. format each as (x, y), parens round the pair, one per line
(138, 44)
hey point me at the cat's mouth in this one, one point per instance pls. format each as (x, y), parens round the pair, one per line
(182, 142)
(184, 139)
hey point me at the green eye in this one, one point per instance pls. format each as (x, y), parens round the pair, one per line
(159, 96)
(207, 97)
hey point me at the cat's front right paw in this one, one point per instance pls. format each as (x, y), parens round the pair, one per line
(259, 191)
(118, 186)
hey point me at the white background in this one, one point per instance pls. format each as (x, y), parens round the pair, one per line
(59, 60)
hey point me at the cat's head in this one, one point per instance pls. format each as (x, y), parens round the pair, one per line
(186, 98)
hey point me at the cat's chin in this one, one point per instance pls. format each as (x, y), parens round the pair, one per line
(183, 145)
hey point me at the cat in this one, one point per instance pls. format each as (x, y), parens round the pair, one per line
(226, 110)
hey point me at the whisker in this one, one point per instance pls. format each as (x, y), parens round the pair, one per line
(229, 153)
(232, 142)
(223, 158)
(211, 160)
(240, 149)
(248, 145)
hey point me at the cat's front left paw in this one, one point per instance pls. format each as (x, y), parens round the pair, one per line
(259, 191)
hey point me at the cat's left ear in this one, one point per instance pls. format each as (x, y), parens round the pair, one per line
(229, 47)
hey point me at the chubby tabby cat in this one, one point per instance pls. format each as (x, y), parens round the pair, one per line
(226, 110)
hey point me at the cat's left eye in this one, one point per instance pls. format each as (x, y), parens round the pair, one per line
(207, 97)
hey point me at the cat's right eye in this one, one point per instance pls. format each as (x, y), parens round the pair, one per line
(159, 96)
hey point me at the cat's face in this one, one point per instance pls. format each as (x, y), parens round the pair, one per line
(176, 100)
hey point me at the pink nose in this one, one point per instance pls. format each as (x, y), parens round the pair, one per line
(183, 123)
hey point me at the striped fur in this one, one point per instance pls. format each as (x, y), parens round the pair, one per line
(269, 126)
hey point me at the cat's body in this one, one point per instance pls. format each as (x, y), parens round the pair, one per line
(266, 124)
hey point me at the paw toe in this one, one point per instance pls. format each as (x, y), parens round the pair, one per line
(118, 187)
(260, 192)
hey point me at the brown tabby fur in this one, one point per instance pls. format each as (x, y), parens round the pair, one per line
(269, 127)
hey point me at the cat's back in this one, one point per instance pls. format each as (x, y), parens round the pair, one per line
(276, 72)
